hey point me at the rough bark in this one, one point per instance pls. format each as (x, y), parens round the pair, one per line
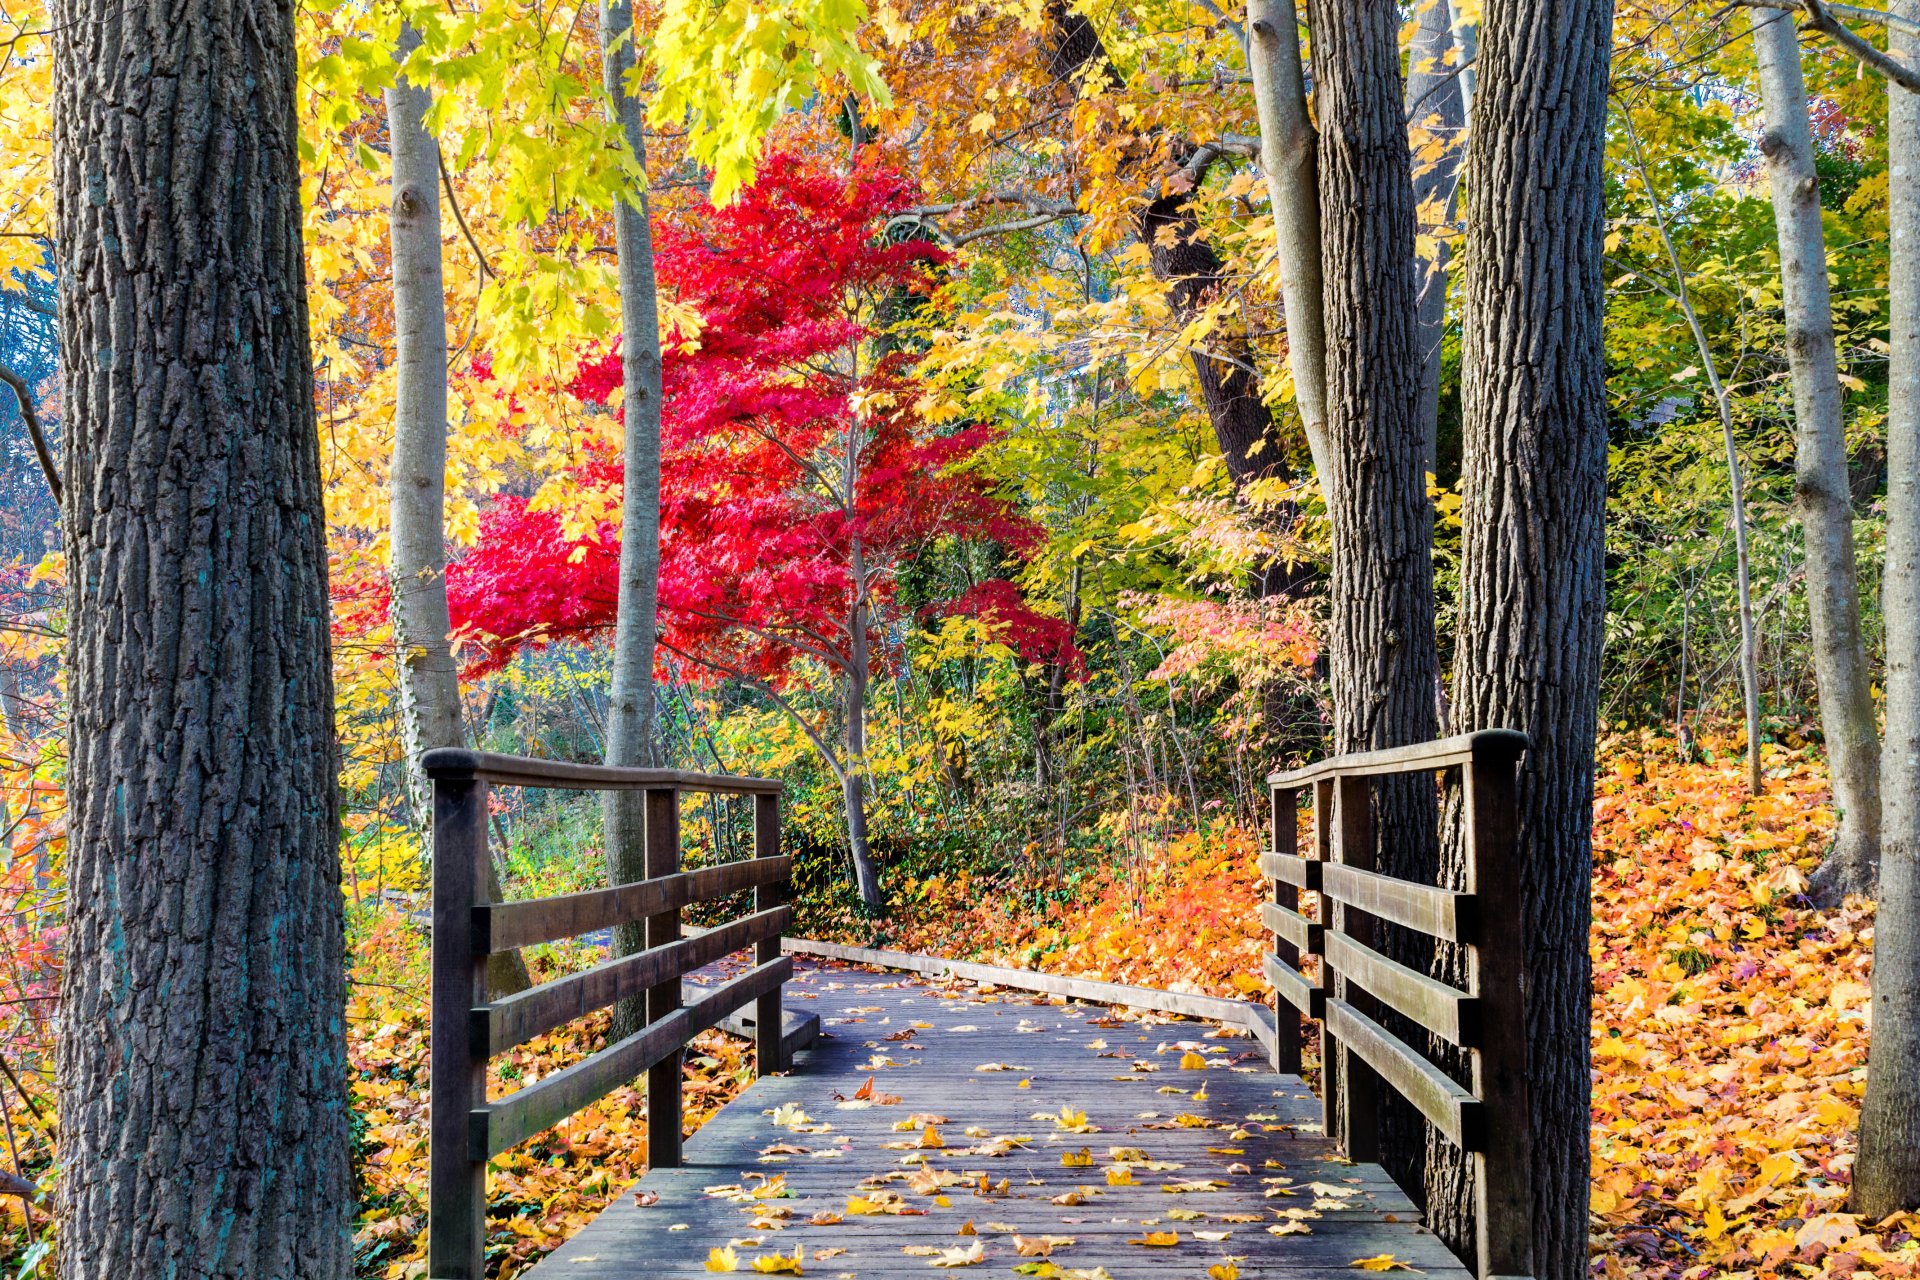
(203, 1119)
(417, 548)
(1533, 574)
(1823, 497)
(1289, 157)
(630, 711)
(853, 778)
(1886, 1174)
(1380, 634)
(1435, 105)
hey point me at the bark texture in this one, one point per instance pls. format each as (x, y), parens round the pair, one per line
(417, 550)
(1381, 638)
(1823, 497)
(1886, 1174)
(630, 711)
(202, 1057)
(1532, 578)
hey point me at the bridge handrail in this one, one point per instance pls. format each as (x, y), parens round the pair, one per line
(469, 1028)
(1491, 1119)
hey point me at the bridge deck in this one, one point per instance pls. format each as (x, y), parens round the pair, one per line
(1245, 1154)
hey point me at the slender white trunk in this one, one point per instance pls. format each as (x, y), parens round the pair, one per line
(853, 779)
(1466, 38)
(631, 738)
(1434, 103)
(1886, 1174)
(1289, 155)
(417, 549)
(1822, 493)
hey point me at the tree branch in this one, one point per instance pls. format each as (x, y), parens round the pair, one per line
(453, 201)
(1820, 17)
(28, 414)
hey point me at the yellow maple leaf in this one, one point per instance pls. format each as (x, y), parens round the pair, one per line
(1380, 1262)
(724, 1259)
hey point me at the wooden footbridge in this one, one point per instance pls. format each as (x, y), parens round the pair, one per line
(925, 1113)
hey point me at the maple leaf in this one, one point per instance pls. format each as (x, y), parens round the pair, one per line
(1380, 1262)
(723, 1259)
(960, 1257)
(1158, 1239)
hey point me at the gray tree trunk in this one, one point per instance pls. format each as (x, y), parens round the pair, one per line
(1886, 1174)
(1823, 497)
(1381, 637)
(853, 777)
(1288, 156)
(1434, 101)
(423, 655)
(202, 1057)
(630, 713)
(1533, 573)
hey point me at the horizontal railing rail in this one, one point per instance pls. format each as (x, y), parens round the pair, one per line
(470, 1027)
(1355, 981)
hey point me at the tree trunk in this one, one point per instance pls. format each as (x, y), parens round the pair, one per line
(1886, 1174)
(1533, 572)
(1434, 102)
(429, 681)
(202, 1058)
(853, 778)
(1288, 154)
(630, 710)
(1822, 495)
(1381, 638)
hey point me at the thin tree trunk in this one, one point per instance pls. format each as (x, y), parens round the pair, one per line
(1533, 574)
(853, 778)
(429, 680)
(1886, 1173)
(1434, 103)
(1823, 497)
(630, 710)
(203, 1118)
(1381, 638)
(1288, 155)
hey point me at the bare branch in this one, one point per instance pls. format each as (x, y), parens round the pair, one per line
(1820, 17)
(30, 415)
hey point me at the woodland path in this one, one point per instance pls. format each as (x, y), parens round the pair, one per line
(1251, 1131)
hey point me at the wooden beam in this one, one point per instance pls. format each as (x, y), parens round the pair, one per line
(1295, 929)
(1440, 754)
(525, 771)
(1452, 1110)
(508, 926)
(1291, 985)
(1290, 868)
(1442, 913)
(518, 1018)
(1450, 1014)
(456, 1179)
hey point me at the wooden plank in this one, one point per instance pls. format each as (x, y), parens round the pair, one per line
(508, 926)
(1216, 1008)
(1440, 754)
(1442, 913)
(1353, 847)
(538, 1107)
(456, 1181)
(1296, 929)
(1284, 1048)
(525, 771)
(1450, 1014)
(1291, 985)
(1288, 868)
(1451, 1109)
(518, 1018)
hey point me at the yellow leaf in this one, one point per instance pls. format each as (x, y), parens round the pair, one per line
(1081, 1159)
(1380, 1262)
(1159, 1239)
(1191, 1061)
(1223, 1271)
(723, 1259)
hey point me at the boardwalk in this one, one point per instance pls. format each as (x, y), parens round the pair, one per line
(974, 1163)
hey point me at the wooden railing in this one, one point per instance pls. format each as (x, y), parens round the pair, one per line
(469, 1028)
(1491, 1119)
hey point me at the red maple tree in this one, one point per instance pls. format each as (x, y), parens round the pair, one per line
(797, 471)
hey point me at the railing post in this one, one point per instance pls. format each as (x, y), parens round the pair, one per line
(1496, 969)
(767, 1015)
(1323, 816)
(663, 1078)
(456, 1181)
(1353, 847)
(1286, 1018)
